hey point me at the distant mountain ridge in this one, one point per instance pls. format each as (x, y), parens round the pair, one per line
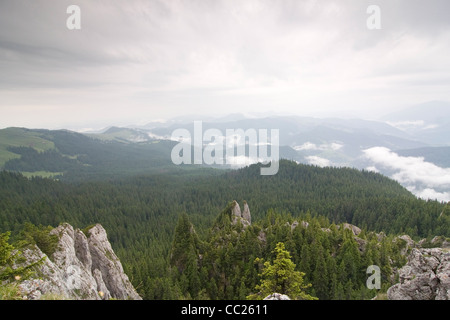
(430, 112)
(429, 122)
(421, 131)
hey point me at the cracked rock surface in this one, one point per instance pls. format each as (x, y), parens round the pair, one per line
(83, 267)
(426, 276)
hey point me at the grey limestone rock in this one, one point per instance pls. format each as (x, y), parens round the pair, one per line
(81, 268)
(246, 213)
(105, 260)
(244, 217)
(426, 276)
(277, 296)
(354, 229)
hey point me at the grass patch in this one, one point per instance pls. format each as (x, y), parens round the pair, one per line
(10, 291)
(6, 155)
(20, 137)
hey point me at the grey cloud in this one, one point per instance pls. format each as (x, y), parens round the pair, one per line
(285, 55)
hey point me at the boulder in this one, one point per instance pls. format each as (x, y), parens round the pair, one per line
(277, 296)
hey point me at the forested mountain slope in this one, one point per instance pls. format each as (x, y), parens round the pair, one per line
(140, 213)
(227, 265)
(73, 156)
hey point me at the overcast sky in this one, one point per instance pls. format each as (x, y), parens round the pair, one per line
(133, 62)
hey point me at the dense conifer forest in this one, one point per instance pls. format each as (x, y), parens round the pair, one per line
(174, 234)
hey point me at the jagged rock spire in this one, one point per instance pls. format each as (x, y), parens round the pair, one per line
(243, 216)
(236, 211)
(246, 213)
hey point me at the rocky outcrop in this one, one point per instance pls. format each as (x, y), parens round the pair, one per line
(83, 266)
(107, 266)
(277, 296)
(409, 244)
(437, 241)
(354, 229)
(246, 213)
(426, 276)
(295, 224)
(237, 216)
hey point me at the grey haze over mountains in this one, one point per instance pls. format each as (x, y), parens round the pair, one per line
(429, 122)
(411, 146)
(156, 59)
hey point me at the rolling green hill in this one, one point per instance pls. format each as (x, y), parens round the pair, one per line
(74, 156)
(21, 137)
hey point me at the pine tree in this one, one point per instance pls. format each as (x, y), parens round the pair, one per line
(10, 273)
(6, 256)
(184, 245)
(9, 256)
(184, 256)
(281, 277)
(320, 275)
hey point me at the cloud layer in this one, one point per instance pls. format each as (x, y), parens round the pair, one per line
(318, 161)
(423, 178)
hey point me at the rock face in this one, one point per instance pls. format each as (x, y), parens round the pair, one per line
(244, 217)
(82, 267)
(426, 276)
(246, 213)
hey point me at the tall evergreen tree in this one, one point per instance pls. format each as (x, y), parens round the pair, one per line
(184, 256)
(281, 277)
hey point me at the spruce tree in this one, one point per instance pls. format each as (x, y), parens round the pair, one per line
(281, 277)
(184, 256)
